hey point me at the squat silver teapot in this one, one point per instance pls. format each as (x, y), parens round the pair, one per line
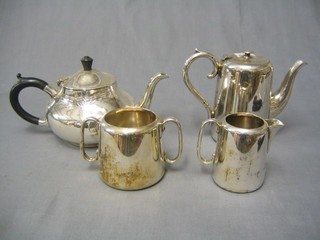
(87, 93)
(244, 85)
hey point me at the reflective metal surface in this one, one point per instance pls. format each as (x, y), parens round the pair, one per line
(241, 151)
(244, 84)
(279, 99)
(87, 93)
(68, 110)
(130, 150)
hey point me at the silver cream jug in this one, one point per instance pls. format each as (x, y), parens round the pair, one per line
(87, 93)
(241, 150)
(244, 83)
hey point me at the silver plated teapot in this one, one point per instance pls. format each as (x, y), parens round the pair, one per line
(243, 85)
(87, 93)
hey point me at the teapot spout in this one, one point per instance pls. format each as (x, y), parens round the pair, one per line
(147, 98)
(274, 126)
(280, 98)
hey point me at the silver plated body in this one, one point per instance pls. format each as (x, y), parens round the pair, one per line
(241, 150)
(130, 149)
(68, 109)
(244, 84)
(87, 93)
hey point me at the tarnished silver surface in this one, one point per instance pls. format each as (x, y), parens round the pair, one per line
(244, 84)
(241, 151)
(130, 151)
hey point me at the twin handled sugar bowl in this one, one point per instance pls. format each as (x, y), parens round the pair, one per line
(130, 151)
(87, 93)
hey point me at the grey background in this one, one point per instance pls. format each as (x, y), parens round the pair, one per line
(48, 192)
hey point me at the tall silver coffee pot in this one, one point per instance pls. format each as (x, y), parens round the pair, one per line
(243, 85)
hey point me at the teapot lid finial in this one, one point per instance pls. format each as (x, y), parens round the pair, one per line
(89, 78)
(248, 54)
(87, 63)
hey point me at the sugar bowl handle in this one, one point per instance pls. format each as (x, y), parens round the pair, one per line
(85, 124)
(163, 153)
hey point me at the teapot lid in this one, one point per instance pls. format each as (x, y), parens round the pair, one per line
(88, 78)
(246, 61)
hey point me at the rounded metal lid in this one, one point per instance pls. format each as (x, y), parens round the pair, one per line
(246, 61)
(88, 78)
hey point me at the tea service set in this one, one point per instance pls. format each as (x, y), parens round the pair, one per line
(88, 109)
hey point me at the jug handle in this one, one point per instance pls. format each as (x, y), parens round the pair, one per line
(23, 83)
(185, 72)
(164, 154)
(199, 144)
(82, 147)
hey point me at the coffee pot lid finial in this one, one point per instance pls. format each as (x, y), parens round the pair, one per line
(246, 60)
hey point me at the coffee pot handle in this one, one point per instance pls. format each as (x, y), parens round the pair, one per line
(82, 145)
(164, 154)
(199, 144)
(193, 90)
(23, 83)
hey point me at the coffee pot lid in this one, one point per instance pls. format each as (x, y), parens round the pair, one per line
(88, 78)
(246, 61)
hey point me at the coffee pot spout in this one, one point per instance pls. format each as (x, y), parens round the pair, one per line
(147, 98)
(280, 98)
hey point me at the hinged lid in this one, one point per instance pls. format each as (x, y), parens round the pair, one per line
(88, 78)
(246, 61)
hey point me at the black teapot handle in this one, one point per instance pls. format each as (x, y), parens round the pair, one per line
(25, 82)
